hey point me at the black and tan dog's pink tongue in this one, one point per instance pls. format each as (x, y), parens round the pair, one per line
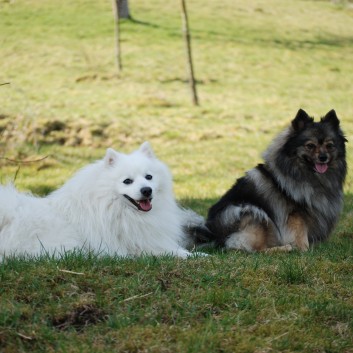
(321, 167)
(145, 205)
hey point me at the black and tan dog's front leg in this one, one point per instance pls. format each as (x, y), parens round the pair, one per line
(298, 232)
(295, 237)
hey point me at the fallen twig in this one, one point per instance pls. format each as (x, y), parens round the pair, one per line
(24, 336)
(138, 296)
(22, 161)
(17, 171)
(71, 272)
(277, 337)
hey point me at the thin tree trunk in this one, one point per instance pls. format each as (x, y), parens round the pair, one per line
(117, 34)
(123, 6)
(187, 39)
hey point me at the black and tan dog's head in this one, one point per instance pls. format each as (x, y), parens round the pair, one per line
(317, 145)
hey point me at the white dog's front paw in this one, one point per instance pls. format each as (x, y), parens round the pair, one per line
(198, 254)
(187, 254)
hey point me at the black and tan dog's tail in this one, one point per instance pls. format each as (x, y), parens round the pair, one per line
(200, 234)
(195, 230)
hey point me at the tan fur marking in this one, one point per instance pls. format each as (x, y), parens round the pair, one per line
(257, 234)
(297, 226)
(252, 236)
(256, 237)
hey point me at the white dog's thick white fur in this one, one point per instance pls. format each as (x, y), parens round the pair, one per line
(96, 211)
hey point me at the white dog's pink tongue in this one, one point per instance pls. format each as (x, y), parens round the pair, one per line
(321, 167)
(145, 205)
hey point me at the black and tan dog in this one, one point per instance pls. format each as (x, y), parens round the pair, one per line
(293, 199)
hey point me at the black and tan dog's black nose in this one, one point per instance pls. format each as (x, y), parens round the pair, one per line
(323, 158)
(146, 191)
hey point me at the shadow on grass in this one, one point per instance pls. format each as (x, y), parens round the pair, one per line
(140, 23)
(348, 203)
(200, 206)
(42, 190)
(328, 41)
(324, 39)
(344, 229)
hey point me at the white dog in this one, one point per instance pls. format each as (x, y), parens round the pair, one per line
(121, 205)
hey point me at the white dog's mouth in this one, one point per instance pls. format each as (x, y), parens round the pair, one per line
(142, 205)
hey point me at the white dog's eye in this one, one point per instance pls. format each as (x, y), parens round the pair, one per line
(128, 181)
(148, 177)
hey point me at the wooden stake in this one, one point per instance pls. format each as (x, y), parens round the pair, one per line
(187, 39)
(117, 34)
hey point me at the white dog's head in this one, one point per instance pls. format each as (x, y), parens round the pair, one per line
(140, 177)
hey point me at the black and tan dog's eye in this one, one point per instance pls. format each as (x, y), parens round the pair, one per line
(330, 146)
(310, 146)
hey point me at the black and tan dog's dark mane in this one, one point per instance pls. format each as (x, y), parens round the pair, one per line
(294, 198)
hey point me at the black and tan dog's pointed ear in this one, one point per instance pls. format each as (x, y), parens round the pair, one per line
(331, 118)
(301, 120)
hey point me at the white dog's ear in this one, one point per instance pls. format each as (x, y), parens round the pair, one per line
(147, 150)
(110, 157)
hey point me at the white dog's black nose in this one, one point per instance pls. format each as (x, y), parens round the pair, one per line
(146, 191)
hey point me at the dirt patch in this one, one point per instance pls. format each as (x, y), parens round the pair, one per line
(17, 130)
(80, 318)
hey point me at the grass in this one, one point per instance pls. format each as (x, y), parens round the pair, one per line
(295, 302)
(257, 62)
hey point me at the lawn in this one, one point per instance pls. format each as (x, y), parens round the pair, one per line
(256, 63)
